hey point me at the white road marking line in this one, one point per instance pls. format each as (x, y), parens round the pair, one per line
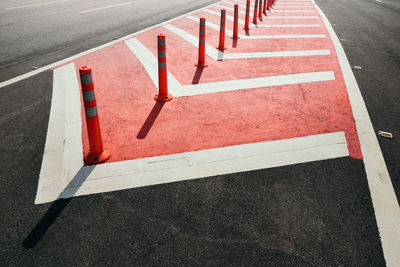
(218, 87)
(148, 60)
(104, 7)
(188, 36)
(263, 26)
(275, 17)
(64, 139)
(378, 1)
(386, 206)
(38, 4)
(273, 11)
(218, 55)
(199, 164)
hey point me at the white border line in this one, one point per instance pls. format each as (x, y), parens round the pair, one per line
(104, 7)
(387, 210)
(37, 4)
(84, 180)
(149, 62)
(63, 145)
(252, 25)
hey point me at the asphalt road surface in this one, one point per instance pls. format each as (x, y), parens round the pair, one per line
(316, 213)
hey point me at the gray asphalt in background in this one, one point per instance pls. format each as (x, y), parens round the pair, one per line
(370, 33)
(317, 214)
(40, 35)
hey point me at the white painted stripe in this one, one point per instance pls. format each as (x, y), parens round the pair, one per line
(204, 163)
(272, 11)
(293, 11)
(150, 63)
(386, 206)
(104, 7)
(299, 53)
(186, 35)
(38, 4)
(218, 55)
(275, 17)
(277, 7)
(218, 87)
(283, 36)
(291, 17)
(148, 60)
(229, 8)
(64, 139)
(263, 26)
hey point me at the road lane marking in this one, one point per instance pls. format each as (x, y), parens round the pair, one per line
(149, 62)
(188, 36)
(196, 164)
(262, 26)
(218, 55)
(38, 4)
(273, 11)
(104, 7)
(274, 17)
(384, 200)
(63, 145)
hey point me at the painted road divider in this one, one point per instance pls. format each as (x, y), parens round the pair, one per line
(221, 46)
(162, 95)
(201, 63)
(97, 153)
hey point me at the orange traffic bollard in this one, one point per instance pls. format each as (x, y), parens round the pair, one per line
(201, 63)
(236, 22)
(162, 95)
(265, 7)
(247, 18)
(221, 45)
(255, 12)
(268, 4)
(97, 153)
(260, 10)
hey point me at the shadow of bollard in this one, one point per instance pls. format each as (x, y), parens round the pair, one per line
(56, 208)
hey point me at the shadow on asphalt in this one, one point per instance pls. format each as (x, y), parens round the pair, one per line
(56, 208)
(155, 111)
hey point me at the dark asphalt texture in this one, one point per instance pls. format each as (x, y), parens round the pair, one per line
(371, 33)
(313, 214)
(317, 213)
(38, 36)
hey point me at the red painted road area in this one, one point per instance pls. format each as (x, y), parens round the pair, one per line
(135, 126)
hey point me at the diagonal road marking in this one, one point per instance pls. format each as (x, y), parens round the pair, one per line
(261, 26)
(148, 60)
(218, 55)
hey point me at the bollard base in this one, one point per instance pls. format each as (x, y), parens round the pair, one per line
(163, 98)
(205, 65)
(93, 159)
(222, 48)
(235, 38)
